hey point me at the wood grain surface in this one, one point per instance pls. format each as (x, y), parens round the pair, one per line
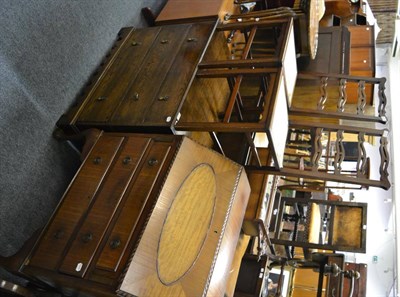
(209, 272)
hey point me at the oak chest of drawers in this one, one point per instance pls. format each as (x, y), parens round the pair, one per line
(87, 242)
(120, 188)
(141, 85)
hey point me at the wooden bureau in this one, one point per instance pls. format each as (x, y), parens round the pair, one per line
(120, 189)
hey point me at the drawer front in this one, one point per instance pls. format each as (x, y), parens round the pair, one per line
(150, 76)
(361, 35)
(139, 201)
(75, 203)
(111, 88)
(362, 58)
(112, 190)
(171, 93)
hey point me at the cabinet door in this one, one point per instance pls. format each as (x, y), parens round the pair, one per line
(361, 35)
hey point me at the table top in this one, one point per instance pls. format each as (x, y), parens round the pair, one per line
(178, 11)
(188, 244)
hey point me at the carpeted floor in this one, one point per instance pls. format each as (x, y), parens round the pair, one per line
(48, 49)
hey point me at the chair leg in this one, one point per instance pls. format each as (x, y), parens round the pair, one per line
(149, 16)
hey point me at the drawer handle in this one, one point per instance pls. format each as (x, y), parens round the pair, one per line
(127, 160)
(136, 43)
(101, 98)
(164, 41)
(97, 160)
(135, 96)
(191, 39)
(163, 98)
(87, 237)
(153, 162)
(59, 234)
(115, 243)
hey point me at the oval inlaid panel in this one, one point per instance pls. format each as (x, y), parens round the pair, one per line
(187, 224)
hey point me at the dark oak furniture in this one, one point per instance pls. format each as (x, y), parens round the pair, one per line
(143, 81)
(180, 78)
(336, 92)
(333, 53)
(119, 190)
(322, 224)
(260, 87)
(91, 235)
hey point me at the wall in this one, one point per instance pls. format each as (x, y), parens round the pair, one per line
(381, 253)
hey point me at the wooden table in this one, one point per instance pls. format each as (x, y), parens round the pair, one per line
(188, 244)
(186, 11)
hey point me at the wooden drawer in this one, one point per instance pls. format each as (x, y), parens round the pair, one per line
(361, 36)
(362, 58)
(75, 203)
(101, 216)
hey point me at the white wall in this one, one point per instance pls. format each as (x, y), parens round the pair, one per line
(381, 219)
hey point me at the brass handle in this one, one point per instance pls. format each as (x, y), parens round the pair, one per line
(87, 237)
(153, 162)
(127, 160)
(97, 160)
(101, 98)
(135, 96)
(115, 243)
(191, 39)
(136, 43)
(163, 98)
(59, 234)
(164, 41)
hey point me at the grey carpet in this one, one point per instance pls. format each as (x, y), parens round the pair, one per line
(48, 49)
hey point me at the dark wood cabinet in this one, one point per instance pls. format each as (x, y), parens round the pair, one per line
(333, 52)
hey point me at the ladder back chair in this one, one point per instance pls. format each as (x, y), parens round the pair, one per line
(334, 96)
(320, 225)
